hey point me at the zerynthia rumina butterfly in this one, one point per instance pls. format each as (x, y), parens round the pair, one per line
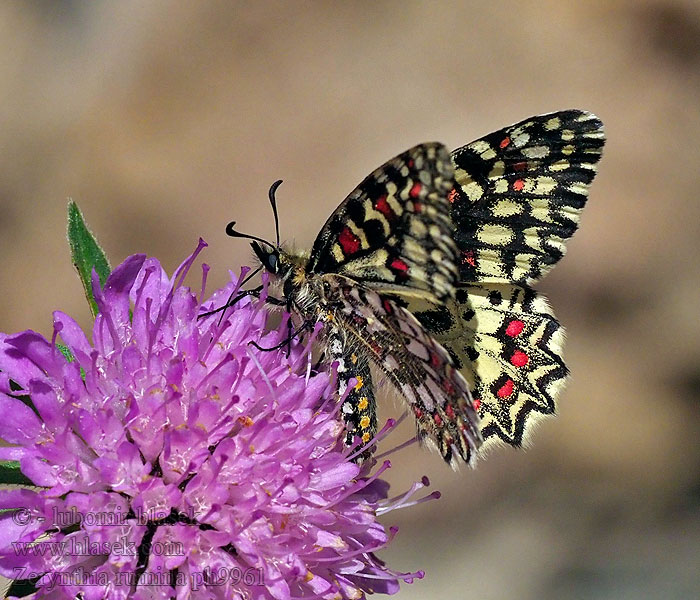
(425, 270)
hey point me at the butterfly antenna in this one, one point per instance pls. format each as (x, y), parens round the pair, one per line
(237, 234)
(273, 203)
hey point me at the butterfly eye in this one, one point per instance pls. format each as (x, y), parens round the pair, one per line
(272, 262)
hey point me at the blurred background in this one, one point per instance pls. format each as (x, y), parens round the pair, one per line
(166, 120)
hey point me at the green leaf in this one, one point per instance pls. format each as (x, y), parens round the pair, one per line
(10, 474)
(86, 253)
(65, 350)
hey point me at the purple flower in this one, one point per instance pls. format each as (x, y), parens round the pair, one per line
(174, 459)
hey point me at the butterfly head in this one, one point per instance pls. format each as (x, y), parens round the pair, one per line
(274, 260)
(269, 257)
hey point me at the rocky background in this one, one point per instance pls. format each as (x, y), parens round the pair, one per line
(165, 120)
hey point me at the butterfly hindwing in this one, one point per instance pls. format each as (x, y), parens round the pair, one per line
(420, 368)
(507, 344)
(519, 195)
(394, 231)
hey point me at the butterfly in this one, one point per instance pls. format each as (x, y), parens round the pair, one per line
(424, 271)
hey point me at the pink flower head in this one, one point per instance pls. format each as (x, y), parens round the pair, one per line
(174, 459)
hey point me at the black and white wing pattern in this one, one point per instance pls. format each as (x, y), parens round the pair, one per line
(518, 197)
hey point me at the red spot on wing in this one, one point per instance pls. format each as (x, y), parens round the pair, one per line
(435, 360)
(415, 189)
(504, 142)
(449, 387)
(452, 196)
(519, 359)
(387, 306)
(476, 403)
(418, 412)
(468, 258)
(518, 185)
(349, 242)
(515, 328)
(376, 348)
(410, 163)
(398, 265)
(506, 390)
(417, 207)
(383, 207)
(449, 411)
(437, 419)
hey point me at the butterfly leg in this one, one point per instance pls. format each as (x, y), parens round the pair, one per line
(359, 408)
(292, 333)
(290, 328)
(232, 301)
(275, 301)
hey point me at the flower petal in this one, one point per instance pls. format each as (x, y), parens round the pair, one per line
(19, 424)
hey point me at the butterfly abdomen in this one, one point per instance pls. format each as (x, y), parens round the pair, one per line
(358, 408)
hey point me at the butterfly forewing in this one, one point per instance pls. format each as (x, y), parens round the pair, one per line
(394, 231)
(519, 195)
(394, 234)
